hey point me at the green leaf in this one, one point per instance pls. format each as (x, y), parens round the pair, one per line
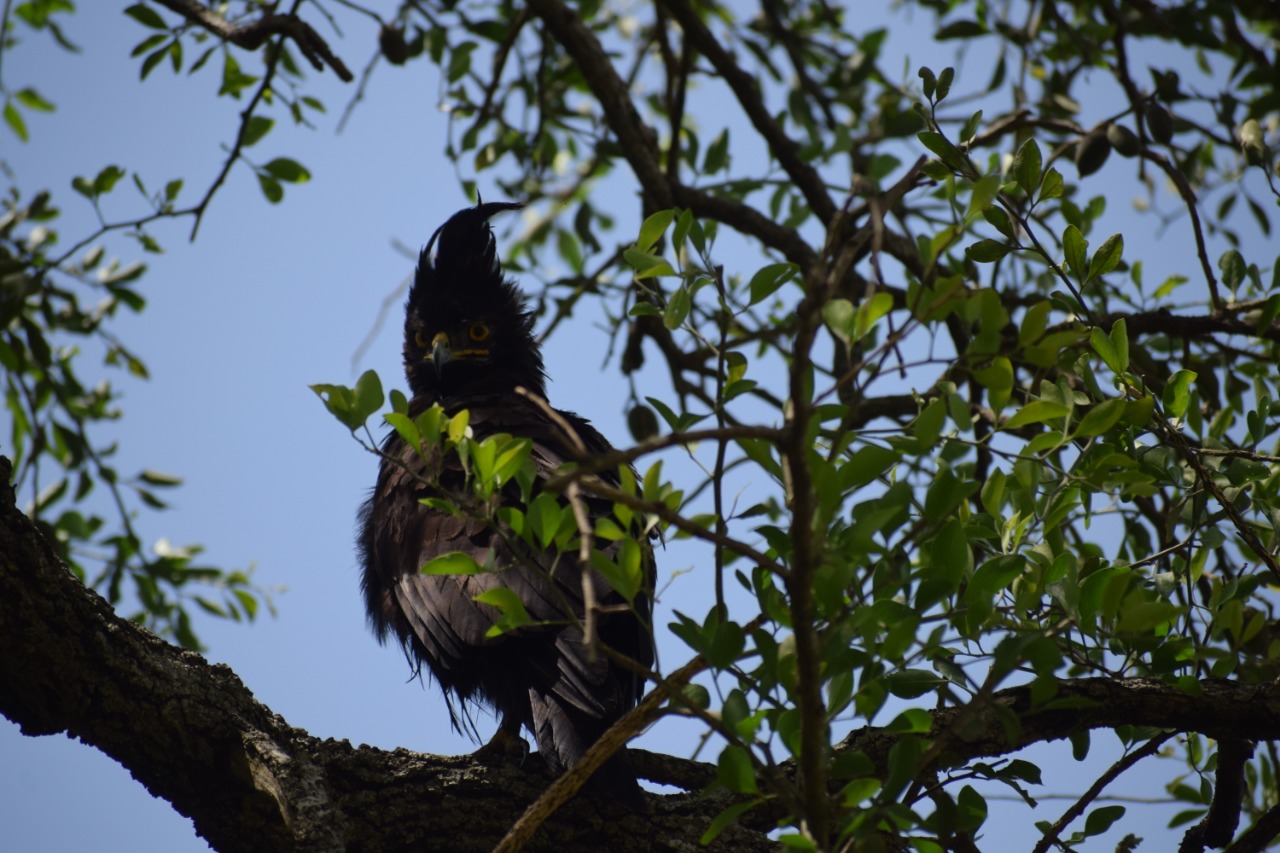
(1076, 249)
(838, 314)
(340, 402)
(1051, 186)
(1026, 167)
(233, 79)
(987, 251)
(1101, 418)
(768, 279)
(33, 100)
(509, 605)
(1178, 391)
(1104, 348)
(256, 128)
(460, 61)
(997, 378)
(1233, 268)
(678, 306)
(1120, 343)
(544, 516)
(1100, 819)
(999, 220)
(368, 395)
(1035, 412)
(647, 265)
(159, 479)
(984, 192)
(717, 156)
(734, 771)
(285, 169)
(653, 228)
(929, 81)
(107, 179)
(453, 562)
(146, 16)
(869, 313)
(943, 147)
(14, 119)
(1107, 257)
(270, 188)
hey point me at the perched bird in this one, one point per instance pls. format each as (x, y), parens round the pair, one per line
(468, 344)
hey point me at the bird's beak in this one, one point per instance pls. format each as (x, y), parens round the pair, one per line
(440, 352)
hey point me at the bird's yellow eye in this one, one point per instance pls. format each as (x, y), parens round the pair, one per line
(420, 339)
(478, 332)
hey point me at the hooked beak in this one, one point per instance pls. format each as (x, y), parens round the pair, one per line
(440, 353)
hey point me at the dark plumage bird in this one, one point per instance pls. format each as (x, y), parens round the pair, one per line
(468, 343)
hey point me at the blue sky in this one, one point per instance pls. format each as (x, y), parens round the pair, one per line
(269, 300)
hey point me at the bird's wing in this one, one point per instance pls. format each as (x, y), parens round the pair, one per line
(440, 610)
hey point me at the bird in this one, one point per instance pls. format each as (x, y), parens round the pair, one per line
(469, 344)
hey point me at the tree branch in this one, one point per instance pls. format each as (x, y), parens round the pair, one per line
(253, 35)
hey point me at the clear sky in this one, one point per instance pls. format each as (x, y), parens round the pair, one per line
(267, 301)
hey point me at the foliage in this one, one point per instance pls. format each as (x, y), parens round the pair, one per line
(987, 443)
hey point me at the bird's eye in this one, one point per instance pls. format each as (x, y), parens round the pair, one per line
(420, 339)
(478, 332)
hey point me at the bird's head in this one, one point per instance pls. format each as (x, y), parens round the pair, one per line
(466, 329)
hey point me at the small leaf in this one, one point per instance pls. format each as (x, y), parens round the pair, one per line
(452, 563)
(768, 279)
(368, 394)
(1100, 819)
(1101, 418)
(256, 128)
(33, 100)
(678, 307)
(653, 229)
(984, 192)
(146, 16)
(107, 179)
(1120, 342)
(1037, 411)
(509, 605)
(987, 251)
(285, 169)
(734, 771)
(647, 265)
(13, 118)
(1107, 257)
(1076, 249)
(1052, 185)
(1104, 348)
(1178, 391)
(1026, 167)
(271, 188)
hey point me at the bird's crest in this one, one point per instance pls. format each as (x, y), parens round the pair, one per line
(463, 249)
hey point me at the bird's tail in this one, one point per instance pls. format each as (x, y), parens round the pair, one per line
(465, 242)
(565, 733)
